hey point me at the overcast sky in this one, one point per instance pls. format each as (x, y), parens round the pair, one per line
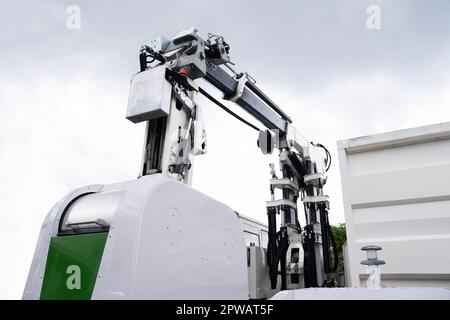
(63, 94)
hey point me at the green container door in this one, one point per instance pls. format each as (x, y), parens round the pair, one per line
(72, 266)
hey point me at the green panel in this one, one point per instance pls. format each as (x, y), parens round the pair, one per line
(72, 266)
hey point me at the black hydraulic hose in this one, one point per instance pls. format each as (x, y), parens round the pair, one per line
(328, 160)
(310, 258)
(272, 249)
(324, 229)
(210, 97)
(283, 247)
(142, 61)
(327, 237)
(335, 251)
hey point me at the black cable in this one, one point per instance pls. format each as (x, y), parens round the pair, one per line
(328, 161)
(335, 251)
(210, 97)
(155, 55)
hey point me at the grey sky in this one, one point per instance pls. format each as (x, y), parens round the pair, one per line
(63, 94)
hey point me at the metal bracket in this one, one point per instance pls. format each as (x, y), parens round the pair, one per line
(315, 199)
(315, 179)
(284, 183)
(241, 79)
(281, 202)
(183, 97)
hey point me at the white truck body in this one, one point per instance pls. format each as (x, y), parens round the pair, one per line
(165, 241)
(396, 192)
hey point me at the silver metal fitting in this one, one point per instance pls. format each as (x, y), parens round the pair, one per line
(373, 269)
(372, 258)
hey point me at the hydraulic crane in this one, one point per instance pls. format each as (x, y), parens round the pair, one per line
(163, 94)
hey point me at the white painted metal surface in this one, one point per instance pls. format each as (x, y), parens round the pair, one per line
(166, 241)
(147, 257)
(396, 191)
(256, 239)
(364, 294)
(89, 209)
(254, 232)
(150, 95)
(258, 274)
(49, 229)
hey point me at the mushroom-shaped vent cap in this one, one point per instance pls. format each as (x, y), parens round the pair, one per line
(367, 248)
(371, 262)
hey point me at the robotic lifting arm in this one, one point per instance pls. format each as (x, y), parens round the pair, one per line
(163, 94)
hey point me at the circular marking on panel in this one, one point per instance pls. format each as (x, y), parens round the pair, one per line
(229, 246)
(173, 230)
